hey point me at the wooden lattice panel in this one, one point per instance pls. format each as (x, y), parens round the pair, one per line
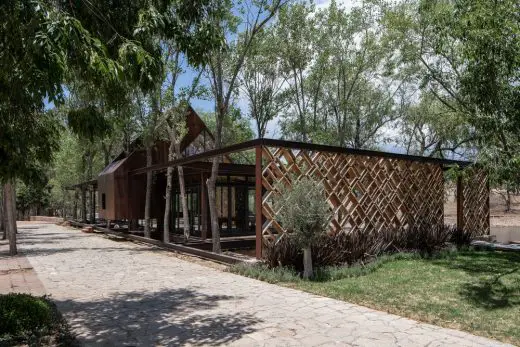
(475, 211)
(364, 193)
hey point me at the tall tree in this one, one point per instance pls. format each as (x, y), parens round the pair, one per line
(261, 81)
(223, 70)
(338, 90)
(149, 120)
(295, 42)
(466, 53)
(42, 43)
(427, 128)
(174, 104)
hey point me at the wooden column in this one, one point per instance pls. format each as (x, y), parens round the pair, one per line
(258, 200)
(75, 212)
(229, 200)
(93, 206)
(83, 204)
(460, 204)
(203, 208)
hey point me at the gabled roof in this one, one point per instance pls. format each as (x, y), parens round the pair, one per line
(195, 126)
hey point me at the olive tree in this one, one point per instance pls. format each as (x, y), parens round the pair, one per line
(304, 212)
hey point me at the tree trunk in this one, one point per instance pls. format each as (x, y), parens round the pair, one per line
(212, 181)
(148, 199)
(168, 195)
(3, 227)
(184, 200)
(307, 263)
(212, 197)
(508, 200)
(184, 203)
(10, 209)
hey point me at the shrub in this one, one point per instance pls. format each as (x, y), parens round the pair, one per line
(262, 272)
(284, 252)
(303, 210)
(284, 274)
(28, 319)
(357, 246)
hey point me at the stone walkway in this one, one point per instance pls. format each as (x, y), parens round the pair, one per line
(126, 294)
(16, 274)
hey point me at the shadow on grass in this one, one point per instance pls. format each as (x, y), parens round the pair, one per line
(495, 291)
(496, 277)
(481, 262)
(169, 317)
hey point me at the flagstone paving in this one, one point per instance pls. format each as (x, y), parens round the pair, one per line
(127, 294)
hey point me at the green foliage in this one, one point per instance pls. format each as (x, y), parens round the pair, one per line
(235, 127)
(46, 43)
(355, 246)
(32, 320)
(429, 129)
(333, 62)
(284, 274)
(262, 272)
(465, 54)
(262, 82)
(88, 123)
(303, 210)
(26, 142)
(35, 194)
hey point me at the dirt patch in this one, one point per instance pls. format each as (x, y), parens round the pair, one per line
(497, 206)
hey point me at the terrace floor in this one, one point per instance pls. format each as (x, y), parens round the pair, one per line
(128, 294)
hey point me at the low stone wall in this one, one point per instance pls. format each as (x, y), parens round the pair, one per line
(46, 219)
(506, 234)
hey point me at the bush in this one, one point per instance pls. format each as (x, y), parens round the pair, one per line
(262, 272)
(32, 320)
(283, 274)
(357, 246)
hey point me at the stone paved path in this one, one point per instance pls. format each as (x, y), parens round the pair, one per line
(17, 274)
(126, 294)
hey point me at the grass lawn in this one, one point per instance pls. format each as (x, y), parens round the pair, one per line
(474, 291)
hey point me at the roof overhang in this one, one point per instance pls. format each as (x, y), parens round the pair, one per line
(239, 147)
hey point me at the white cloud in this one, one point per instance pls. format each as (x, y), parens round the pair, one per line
(346, 4)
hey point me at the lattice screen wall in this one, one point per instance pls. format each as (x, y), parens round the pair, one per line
(475, 202)
(363, 192)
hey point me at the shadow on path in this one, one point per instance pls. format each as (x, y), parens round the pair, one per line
(172, 317)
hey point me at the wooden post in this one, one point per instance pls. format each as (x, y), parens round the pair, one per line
(93, 206)
(460, 204)
(488, 207)
(203, 208)
(75, 212)
(84, 204)
(229, 207)
(258, 200)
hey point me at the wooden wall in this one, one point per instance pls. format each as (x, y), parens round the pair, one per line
(364, 192)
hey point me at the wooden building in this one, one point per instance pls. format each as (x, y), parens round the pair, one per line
(365, 189)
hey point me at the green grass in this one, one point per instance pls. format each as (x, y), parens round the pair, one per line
(474, 291)
(33, 321)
